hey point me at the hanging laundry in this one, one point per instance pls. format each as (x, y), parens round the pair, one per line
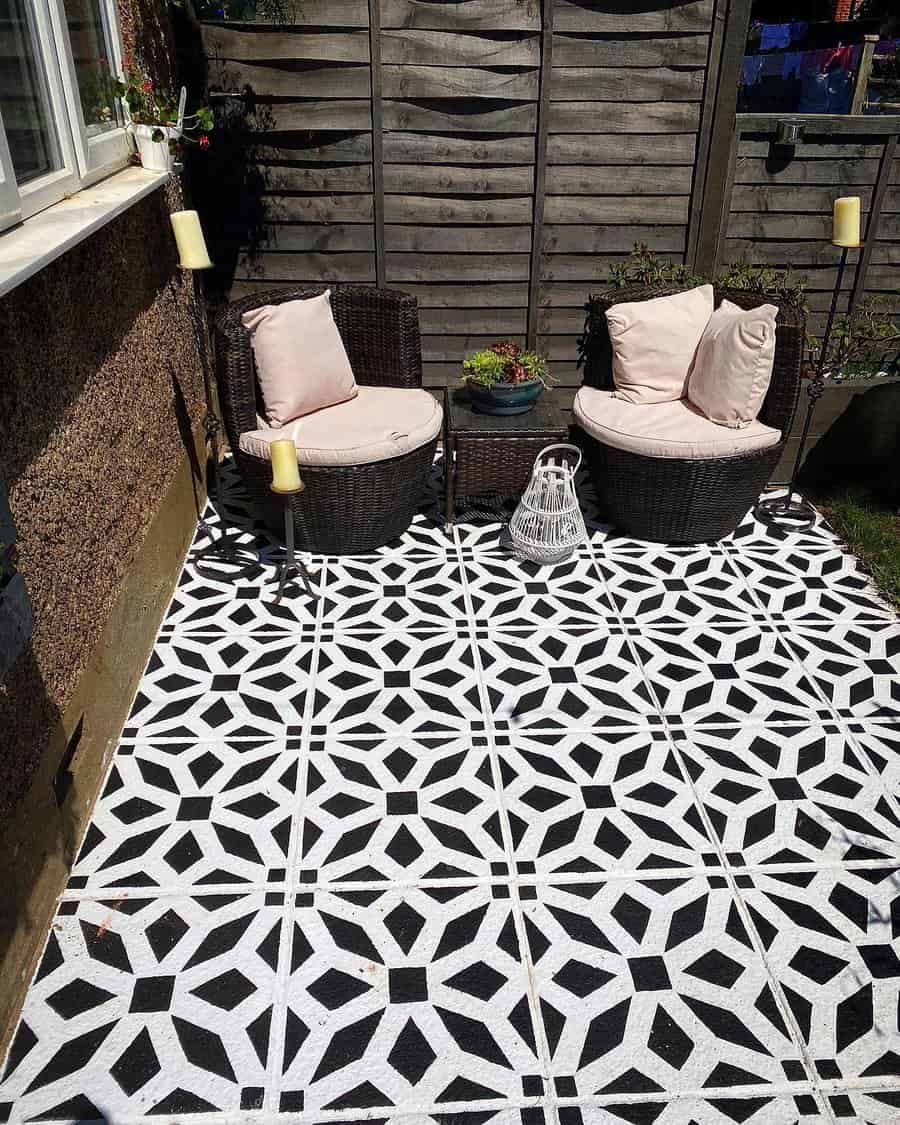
(840, 89)
(843, 56)
(798, 30)
(775, 36)
(814, 93)
(792, 62)
(751, 70)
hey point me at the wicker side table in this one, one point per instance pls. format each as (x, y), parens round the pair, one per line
(488, 455)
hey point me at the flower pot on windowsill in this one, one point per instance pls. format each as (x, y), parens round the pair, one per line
(504, 398)
(156, 156)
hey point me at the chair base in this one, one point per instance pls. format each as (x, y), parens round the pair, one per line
(789, 513)
(344, 509)
(673, 500)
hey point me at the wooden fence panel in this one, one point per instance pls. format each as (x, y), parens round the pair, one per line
(520, 149)
(780, 214)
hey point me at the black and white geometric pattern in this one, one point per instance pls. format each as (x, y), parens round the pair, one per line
(791, 795)
(393, 683)
(677, 587)
(191, 814)
(469, 840)
(234, 685)
(854, 665)
(590, 803)
(654, 986)
(149, 1006)
(725, 673)
(393, 593)
(398, 810)
(406, 996)
(832, 939)
(812, 585)
(581, 678)
(535, 597)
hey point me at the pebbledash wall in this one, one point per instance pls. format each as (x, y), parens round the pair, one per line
(101, 397)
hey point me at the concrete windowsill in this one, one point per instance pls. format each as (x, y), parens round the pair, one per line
(31, 245)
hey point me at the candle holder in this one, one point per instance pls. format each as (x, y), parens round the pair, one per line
(230, 559)
(784, 511)
(290, 562)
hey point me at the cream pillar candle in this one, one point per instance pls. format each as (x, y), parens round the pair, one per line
(847, 221)
(285, 470)
(191, 243)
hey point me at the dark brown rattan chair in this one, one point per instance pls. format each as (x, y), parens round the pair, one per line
(675, 500)
(345, 509)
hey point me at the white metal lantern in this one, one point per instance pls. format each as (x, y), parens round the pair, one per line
(548, 525)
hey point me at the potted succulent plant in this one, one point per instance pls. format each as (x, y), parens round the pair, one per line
(504, 378)
(158, 122)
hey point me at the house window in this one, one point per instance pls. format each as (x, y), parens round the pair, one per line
(61, 126)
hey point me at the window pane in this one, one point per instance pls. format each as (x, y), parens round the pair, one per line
(99, 105)
(24, 97)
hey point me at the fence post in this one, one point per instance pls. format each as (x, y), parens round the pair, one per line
(881, 186)
(863, 73)
(540, 173)
(720, 166)
(377, 139)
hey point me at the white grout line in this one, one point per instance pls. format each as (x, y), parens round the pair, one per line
(542, 1048)
(277, 1031)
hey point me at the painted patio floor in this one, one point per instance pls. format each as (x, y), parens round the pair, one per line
(473, 841)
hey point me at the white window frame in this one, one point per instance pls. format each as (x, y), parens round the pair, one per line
(85, 158)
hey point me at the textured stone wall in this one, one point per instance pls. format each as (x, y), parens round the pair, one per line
(101, 384)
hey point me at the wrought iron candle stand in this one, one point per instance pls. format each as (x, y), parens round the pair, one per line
(290, 562)
(221, 557)
(224, 551)
(784, 511)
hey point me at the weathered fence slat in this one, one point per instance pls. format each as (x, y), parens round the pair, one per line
(614, 150)
(466, 15)
(448, 209)
(634, 16)
(451, 48)
(618, 50)
(402, 148)
(447, 179)
(616, 84)
(624, 117)
(255, 45)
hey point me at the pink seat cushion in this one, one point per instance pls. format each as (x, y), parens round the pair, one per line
(665, 429)
(654, 343)
(379, 423)
(300, 358)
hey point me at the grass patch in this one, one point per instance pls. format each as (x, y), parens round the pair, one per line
(872, 532)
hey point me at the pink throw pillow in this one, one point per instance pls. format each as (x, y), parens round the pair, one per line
(301, 362)
(654, 343)
(733, 367)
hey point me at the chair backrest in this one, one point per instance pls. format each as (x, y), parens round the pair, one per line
(379, 327)
(780, 402)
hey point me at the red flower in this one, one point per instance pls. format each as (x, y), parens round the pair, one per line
(203, 142)
(146, 85)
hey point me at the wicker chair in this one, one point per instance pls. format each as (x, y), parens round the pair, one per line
(345, 509)
(676, 500)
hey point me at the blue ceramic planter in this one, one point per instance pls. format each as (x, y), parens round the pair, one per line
(505, 398)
